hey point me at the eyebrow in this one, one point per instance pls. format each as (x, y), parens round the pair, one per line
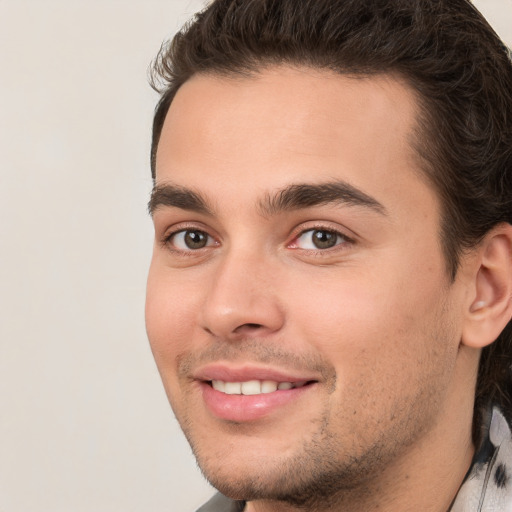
(177, 197)
(293, 197)
(306, 195)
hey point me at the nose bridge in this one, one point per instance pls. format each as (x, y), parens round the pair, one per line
(241, 299)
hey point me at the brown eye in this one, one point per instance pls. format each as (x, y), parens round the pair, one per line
(195, 239)
(190, 239)
(324, 239)
(314, 239)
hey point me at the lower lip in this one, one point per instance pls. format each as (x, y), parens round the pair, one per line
(243, 408)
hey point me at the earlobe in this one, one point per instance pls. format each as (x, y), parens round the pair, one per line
(490, 307)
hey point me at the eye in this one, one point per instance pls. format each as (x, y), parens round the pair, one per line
(190, 240)
(315, 239)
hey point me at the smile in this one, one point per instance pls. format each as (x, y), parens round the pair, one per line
(250, 400)
(254, 387)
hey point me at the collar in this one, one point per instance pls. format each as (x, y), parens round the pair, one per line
(488, 484)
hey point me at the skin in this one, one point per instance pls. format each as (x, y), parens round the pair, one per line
(375, 320)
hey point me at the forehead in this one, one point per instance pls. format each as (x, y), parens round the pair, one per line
(289, 125)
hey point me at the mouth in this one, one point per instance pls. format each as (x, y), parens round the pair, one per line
(238, 396)
(255, 387)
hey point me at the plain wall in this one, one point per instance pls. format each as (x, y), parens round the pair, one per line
(84, 421)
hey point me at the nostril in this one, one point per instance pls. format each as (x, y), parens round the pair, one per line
(243, 330)
(248, 327)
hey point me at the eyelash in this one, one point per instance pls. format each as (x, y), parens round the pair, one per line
(167, 240)
(341, 240)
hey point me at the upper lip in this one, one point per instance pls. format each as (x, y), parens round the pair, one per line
(227, 373)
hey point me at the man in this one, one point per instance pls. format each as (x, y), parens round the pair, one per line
(330, 295)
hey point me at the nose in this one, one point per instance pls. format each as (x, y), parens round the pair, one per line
(241, 301)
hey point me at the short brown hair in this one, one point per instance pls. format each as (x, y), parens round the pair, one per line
(444, 49)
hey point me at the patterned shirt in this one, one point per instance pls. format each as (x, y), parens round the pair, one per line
(488, 484)
(486, 488)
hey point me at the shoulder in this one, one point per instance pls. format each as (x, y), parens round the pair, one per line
(219, 503)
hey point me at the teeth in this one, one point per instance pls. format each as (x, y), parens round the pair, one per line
(218, 385)
(253, 387)
(268, 386)
(233, 388)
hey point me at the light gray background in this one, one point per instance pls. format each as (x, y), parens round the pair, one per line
(84, 422)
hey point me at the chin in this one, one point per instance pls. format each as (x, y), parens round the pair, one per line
(315, 472)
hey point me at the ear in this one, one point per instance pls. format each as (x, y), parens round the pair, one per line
(489, 306)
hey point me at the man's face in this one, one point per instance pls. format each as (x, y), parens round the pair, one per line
(297, 245)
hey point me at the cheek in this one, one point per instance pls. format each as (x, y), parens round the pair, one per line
(391, 349)
(169, 317)
(364, 321)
